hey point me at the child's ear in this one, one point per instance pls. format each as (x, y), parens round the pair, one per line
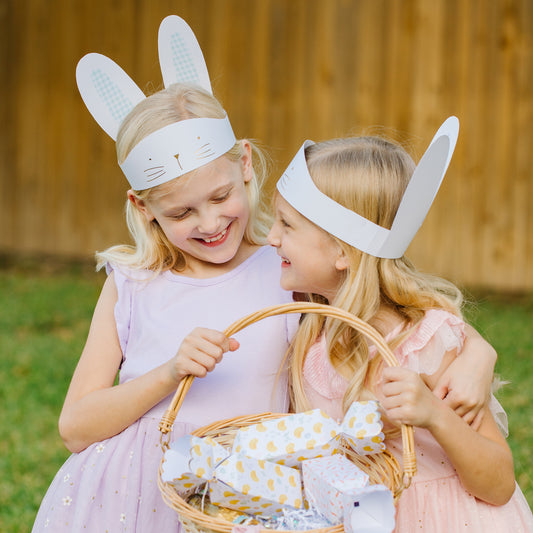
(341, 262)
(140, 205)
(246, 161)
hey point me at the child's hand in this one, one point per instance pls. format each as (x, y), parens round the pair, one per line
(465, 384)
(465, 393)
(200, 352)
(407, 399)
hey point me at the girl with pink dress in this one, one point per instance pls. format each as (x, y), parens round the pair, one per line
(199, 258)
(345, 213)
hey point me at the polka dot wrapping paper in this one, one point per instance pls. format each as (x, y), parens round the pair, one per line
(295, 438)
(235, 481)
(256, 476)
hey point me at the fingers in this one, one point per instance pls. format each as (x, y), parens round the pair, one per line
(233, 345)
(466, 406)
(191, 367)
(441, 390)
(476, 422)
(406, 398)
(398, 393)
(395, 373)
(464, 402)
(201, 351)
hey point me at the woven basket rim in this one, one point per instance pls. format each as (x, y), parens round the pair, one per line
(196, 521)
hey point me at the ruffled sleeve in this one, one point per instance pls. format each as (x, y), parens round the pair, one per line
(499, 415)
(438, 333)
(123, 305)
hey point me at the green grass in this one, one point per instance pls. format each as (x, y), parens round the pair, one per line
(507, 323)
(44, 320)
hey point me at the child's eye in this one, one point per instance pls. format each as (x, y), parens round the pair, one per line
(221, 198)
(284, 223)
(181, 215)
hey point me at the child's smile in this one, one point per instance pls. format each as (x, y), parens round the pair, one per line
(217, 239)
(309, 256)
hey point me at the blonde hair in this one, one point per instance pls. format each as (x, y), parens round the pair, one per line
(367, 175)
(151, 249)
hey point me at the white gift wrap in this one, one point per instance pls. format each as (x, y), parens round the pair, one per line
(190, 461)
(369, 510)
(292, 439)
(327, 480)
(362, 428)
(255, 486)
(235, 481)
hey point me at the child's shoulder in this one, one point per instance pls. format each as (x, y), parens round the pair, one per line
(437, 333)
(123, 272)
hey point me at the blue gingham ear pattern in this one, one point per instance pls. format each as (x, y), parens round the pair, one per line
(180, 55)
(118, 104)
(182, 60)
(108, 92)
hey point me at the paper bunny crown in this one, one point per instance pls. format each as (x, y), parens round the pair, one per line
(110, 94)
(297, 188)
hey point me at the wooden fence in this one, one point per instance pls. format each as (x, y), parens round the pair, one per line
(285, 70)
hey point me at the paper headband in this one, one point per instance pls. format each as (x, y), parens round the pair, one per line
(110, 94)
(299, 190)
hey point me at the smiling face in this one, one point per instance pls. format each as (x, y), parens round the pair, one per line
(205, 214)
(312, 261)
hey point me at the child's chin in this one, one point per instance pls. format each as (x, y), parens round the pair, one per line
(288, 286)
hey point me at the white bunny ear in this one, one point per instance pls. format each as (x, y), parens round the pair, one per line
(108, 92)
(180, 55)
(297, 187)
(422, 189)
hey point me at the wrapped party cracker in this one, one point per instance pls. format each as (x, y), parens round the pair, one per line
(292, 439)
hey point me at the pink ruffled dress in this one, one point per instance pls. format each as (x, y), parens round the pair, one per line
(436, 501)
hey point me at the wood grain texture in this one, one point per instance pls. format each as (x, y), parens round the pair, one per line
(285, 71)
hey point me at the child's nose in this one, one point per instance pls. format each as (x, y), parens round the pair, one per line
(272, 238)
(209, 223)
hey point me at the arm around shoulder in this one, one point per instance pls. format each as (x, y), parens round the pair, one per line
(466, 384)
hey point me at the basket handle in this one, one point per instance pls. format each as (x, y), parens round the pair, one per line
(409, 458)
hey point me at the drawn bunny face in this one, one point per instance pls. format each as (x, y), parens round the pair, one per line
(299, 190)
(110, 95)
(177, 149)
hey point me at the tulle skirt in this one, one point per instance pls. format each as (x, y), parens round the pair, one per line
(111, 486)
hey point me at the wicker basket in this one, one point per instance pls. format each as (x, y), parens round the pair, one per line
(382, 468)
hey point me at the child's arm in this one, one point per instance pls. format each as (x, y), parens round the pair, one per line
(481, 458)
(465, 384)
(94, 408)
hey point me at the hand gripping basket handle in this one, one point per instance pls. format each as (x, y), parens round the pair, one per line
(409, 458)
